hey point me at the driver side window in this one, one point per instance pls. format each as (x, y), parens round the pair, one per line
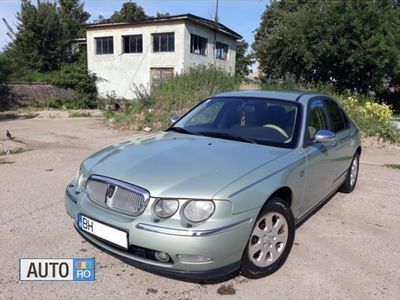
(317, 119)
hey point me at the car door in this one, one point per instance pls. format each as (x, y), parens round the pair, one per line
(342, 154)
(318, 173)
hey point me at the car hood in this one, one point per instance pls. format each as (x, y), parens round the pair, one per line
(177, 165)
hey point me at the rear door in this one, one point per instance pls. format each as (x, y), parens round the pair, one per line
(342, 154)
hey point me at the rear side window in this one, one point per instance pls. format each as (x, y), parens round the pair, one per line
(336, 115)
(346, 120)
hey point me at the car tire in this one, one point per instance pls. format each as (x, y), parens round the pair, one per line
(352, 175)
(274, 242)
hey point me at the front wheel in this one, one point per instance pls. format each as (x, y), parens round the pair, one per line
(270, 241)
(352, 175)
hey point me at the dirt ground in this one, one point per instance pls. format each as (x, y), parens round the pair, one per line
(347, 250)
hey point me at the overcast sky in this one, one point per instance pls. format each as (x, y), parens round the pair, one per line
(242, 16)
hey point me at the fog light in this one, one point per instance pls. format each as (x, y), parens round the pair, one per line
(187, 258)
(162, 256)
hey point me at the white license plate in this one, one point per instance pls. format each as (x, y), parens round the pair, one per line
(103, 231)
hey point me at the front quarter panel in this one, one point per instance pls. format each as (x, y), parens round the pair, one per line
(254, 189)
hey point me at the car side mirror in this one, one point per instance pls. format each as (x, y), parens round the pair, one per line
(325, 137)
(173, 119)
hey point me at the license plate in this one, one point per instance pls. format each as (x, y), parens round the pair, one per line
(105, 232)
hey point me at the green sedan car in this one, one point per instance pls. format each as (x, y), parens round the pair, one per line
(220, 191)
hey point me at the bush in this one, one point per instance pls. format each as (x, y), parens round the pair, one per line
(77, 77)
(372, 118)
(4, 67)
(174, 97)
(74, 76)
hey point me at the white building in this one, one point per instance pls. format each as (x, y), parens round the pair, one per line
(131, 55)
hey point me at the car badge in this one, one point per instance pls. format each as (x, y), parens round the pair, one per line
(110, 191)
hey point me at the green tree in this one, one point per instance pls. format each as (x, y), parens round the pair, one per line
(73, 17)
(45, 32)
(4, 67)
(243, 60)
(162, 15)
(129, 12)
(39, 40)
(354, 44)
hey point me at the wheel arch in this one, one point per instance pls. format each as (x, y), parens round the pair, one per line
(359, 150)
(284, 193)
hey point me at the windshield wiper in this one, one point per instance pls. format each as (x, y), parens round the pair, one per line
(227, 136)
(180, 130)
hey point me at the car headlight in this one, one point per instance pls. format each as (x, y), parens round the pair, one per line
(198, 210)
(79, 172)
(82, 182)
(81, 178)
(165, 208)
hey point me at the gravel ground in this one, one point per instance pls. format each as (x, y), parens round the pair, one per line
(347, 250)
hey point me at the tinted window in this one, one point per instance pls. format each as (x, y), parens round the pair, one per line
(317, 119)
(335, 114)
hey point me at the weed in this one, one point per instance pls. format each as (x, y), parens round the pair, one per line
(393, 166)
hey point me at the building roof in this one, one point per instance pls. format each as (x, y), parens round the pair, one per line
(189, 17)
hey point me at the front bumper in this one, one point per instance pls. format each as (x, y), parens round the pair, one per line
(223, 244)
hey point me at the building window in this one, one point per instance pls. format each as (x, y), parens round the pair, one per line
(198, 44)
(104, 45)
(221, 51)
(133, 43)
(164, 42)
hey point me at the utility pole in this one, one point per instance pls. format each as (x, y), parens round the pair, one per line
(216, 18)
(215, 31)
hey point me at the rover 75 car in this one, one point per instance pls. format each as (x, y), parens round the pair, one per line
(221, 190)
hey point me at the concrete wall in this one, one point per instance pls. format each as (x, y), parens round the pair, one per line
(17, 93)
(120, 73)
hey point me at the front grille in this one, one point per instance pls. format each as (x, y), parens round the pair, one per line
(117, 195)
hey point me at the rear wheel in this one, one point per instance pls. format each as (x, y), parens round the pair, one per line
(270, 241)
(352, 175)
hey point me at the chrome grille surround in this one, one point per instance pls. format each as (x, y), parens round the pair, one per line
(117, 195)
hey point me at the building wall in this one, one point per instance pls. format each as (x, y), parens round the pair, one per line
(192, 59)
(120, 74)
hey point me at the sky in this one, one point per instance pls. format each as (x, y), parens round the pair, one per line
(242, 16)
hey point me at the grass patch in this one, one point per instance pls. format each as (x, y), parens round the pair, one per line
(79, 114)
(393, 166)
(12, 152)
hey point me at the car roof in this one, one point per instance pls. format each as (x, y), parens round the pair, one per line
(285, 95)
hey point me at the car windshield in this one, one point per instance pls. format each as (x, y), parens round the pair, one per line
(253, 120)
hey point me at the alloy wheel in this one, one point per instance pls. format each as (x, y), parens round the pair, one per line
(268, 239)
